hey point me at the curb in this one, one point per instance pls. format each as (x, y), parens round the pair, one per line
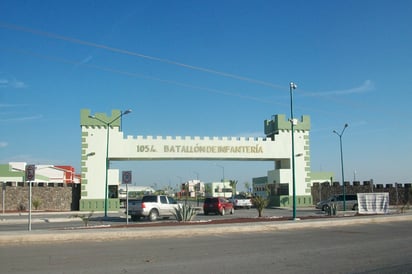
(90, 234)
(38, 220)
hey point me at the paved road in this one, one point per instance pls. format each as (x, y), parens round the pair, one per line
(376, 247)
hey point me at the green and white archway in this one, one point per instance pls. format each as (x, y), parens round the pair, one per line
(275, 147)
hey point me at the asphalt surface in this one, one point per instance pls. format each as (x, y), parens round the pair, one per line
(105, 233)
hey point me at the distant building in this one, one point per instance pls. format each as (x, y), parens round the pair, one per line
(134, 191)
(219, 189)
(13, 174)
(193, 188)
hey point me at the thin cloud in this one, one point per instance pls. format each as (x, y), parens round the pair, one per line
(8, 81)
(85, 60)
(22, 119)
(18, 84)
(368, 85)
(3, 144)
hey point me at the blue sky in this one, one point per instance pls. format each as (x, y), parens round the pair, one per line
(210, 68)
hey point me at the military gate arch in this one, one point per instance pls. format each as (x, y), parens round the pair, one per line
(105, 141)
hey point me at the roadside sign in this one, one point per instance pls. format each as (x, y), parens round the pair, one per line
(126, 177)
(30, 172)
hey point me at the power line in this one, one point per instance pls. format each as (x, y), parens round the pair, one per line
(136, 54)
(138, 75)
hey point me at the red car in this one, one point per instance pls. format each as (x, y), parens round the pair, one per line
(218, 205)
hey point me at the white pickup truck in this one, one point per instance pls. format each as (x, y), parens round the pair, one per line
(152, 207)
(241, 201)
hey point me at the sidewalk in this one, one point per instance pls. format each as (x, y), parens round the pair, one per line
(101, 234)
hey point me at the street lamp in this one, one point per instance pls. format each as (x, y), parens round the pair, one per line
(197, 175)
(107, 124)
(90, 154)
(197, 189)
(293, 86)
(223, 171)
(341, 163)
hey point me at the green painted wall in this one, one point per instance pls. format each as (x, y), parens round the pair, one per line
(6, 172)
(98, 205)
(287, 201)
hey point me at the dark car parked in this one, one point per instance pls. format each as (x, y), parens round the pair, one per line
(218, 205)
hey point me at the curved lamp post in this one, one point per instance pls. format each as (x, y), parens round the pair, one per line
(341, 164)
(107, 124)
(293, 86)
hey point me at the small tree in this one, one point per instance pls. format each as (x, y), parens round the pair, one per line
(233, 184)
(247, 186)
(260, 203)
(208, 189)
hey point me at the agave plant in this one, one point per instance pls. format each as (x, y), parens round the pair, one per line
(84, 217)
(184, 213)
(36, 203)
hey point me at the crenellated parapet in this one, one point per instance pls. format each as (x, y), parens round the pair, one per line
(198, 138)
(85, 120)
(280, 123)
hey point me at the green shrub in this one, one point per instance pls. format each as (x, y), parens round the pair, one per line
(21, 207)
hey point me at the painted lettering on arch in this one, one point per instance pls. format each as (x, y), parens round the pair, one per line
(212, 149)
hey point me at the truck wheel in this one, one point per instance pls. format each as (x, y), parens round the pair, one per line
(222, 212)
(153, 215)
